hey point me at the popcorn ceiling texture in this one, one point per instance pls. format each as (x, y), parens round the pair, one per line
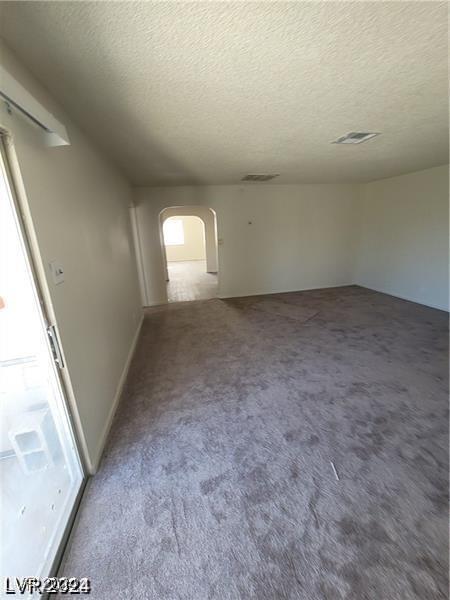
(184, 93)
(217, 481)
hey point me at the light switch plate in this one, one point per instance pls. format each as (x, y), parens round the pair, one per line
(57, 271)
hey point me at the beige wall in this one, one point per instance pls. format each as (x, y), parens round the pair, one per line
(194, 240)
(404, 237)
(79, 208)
(300, 236)
(391, 235)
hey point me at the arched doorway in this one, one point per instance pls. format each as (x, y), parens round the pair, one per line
(189, 250)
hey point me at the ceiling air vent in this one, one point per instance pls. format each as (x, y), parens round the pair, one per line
(355, 137)
(259, 177)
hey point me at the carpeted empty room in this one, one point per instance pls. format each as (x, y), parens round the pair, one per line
(218, 479)
(224, 292)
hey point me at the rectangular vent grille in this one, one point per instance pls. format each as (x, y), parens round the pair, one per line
(355, 137)
(259, 177)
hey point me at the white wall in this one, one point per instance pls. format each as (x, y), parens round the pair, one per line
(194, 240)
(300, 236)
(79, 207)
(404, 237)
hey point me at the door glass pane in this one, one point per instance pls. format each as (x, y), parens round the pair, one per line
(39, 466)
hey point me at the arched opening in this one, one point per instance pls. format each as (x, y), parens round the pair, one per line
(189, 250)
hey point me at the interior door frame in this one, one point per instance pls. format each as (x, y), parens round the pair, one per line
(9, 159)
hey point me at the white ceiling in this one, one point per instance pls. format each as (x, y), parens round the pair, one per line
(206, 92)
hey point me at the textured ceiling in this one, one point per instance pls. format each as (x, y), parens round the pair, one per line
(206, 92)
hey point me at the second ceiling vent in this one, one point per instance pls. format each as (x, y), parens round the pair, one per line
(259, 177)
(355, 137)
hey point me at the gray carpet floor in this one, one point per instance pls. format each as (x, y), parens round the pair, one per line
(218, 483)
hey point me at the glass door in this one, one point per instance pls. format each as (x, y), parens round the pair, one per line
(40, 471)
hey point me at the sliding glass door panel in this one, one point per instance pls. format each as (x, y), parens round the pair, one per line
(40, 471)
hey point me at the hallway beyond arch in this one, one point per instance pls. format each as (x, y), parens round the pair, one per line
(189, 252)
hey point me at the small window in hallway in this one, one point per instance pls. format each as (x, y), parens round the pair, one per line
(173, 231)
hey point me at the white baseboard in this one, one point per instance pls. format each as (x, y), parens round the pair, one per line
(288, 291)
(156, 303)
(409, 299)
(101, 445)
